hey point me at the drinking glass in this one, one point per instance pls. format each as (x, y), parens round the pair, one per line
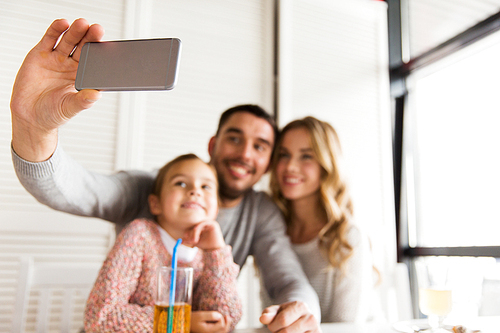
(435, 299)
(181, 320)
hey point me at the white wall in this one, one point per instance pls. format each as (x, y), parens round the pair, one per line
(334, 66)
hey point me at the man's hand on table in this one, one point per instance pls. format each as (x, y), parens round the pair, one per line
(291, 317)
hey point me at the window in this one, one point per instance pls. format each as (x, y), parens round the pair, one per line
(431, 22)
(444, 84)
(453, 116)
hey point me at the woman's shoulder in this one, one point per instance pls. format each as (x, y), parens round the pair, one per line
(356, 236)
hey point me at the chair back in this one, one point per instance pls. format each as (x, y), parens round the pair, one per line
(395, 295)
(61, 288)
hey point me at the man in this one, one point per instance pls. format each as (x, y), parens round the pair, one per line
(44, 98)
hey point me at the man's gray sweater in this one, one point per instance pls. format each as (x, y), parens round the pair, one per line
(254, 227)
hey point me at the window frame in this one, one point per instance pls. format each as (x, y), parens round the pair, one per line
(399, 72)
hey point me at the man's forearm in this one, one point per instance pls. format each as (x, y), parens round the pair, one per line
(64, 185)
(30, 143)
(281, 270)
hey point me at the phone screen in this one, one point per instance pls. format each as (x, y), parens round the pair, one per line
(143, 64)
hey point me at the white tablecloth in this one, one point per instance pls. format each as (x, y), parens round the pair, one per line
(485, 324)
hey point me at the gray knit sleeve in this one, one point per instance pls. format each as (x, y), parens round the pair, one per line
(64, 185)
(279, 267)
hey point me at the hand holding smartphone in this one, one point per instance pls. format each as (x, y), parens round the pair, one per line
(126, 65)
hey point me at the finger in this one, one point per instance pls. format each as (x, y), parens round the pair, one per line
(213, 326)
(195, 232)
(188, 237)
(217, 326)
(227, 321)
(54, 31)
(288, 314)
(72, 37)
(306, 323)
(94, 34)
(210, 315)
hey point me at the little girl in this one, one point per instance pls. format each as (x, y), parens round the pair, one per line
(184, 201)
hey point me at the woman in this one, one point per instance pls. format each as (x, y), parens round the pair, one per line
(308, 184)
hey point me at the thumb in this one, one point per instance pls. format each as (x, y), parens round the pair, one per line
(86, 98)
(82, 100)
(268, 314)
(191, 236)
(195, 232)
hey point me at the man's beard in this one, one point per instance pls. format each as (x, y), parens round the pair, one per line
(226, 192)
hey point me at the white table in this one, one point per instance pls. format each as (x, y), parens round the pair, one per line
(337, 328)
(485, 324)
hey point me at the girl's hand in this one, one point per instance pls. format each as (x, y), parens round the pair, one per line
(209, 322)
(205, 235)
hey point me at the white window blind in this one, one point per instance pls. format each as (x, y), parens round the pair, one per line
(226, 60)
(334, 66)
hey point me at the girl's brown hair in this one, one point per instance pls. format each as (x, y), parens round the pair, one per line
(160, 177)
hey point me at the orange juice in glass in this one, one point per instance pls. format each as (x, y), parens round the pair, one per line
(181, 320)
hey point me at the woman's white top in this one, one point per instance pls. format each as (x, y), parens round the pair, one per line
(343, 298)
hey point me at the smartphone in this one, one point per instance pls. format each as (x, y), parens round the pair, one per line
(141, 64)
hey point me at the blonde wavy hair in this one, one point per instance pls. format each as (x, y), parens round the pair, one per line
(334, 192)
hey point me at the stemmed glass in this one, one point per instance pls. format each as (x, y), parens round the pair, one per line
(435, 299)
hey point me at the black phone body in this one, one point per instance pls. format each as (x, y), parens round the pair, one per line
(141, 64)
